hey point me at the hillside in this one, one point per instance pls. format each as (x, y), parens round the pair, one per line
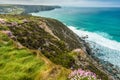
(40, 48)
(20, 63)
(24, 9)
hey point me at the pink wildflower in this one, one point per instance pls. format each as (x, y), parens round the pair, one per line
(81, 74)
(2, 21)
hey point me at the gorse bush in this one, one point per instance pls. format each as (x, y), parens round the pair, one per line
(82, 75)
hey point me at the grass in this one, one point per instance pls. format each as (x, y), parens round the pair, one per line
(22, 64)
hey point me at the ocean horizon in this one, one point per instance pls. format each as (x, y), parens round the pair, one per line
(101, 25)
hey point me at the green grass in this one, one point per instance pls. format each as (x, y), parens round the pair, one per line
(22, 64)
(17, 64)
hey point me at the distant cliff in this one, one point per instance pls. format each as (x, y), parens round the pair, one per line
(54, 40)
(25, 9)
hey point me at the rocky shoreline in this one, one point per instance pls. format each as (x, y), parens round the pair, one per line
(112, 71)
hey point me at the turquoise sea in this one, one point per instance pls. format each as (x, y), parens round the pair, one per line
(102, 25)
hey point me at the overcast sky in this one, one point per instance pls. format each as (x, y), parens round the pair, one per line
(83, 3)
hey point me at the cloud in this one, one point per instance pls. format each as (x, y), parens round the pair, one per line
(89, 3)
(94, 3)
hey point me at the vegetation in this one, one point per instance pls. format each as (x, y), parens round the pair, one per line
(24, 64)
(82, 75)
(38, 38)
(47, 50)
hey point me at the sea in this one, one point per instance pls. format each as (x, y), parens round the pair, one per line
(100, 24)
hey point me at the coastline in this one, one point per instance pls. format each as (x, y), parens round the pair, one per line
(66, 48)
(25, 9)
(102, 65)
(105, 66)
(112, 71)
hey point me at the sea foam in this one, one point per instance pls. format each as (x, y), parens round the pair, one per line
(103, 47)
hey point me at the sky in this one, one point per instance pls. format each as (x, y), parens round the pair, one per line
(81, 3)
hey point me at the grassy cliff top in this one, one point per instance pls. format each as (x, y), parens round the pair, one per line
(48, 43)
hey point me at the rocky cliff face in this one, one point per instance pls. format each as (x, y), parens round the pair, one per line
(53, 39)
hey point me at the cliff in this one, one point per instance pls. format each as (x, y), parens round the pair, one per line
(24, 9)
(47, 44)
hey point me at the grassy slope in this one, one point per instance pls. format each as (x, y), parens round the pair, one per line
(23, 64)
(32, 36)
